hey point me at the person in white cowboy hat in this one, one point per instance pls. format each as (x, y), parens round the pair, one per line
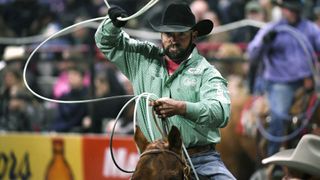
(193, 95)
(302, 162)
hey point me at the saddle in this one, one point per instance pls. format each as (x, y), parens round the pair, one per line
(304, 100)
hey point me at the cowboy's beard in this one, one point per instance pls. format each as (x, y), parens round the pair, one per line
(175, 51)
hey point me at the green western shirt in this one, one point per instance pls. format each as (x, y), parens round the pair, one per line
(196, 82)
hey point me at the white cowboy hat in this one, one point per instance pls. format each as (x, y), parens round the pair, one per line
(305, 157)
(14, 53)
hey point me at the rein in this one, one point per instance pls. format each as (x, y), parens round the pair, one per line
(159, 151)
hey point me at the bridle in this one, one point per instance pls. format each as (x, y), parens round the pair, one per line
(181, 159)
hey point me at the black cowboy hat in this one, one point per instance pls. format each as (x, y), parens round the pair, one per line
(295, 5)
(179, 18)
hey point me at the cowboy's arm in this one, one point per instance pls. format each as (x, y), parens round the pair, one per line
(257, 47)
(119, 48)
(213, 109)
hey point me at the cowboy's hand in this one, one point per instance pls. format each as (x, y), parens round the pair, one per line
(269, 37)
(166, 107)
(115, 12)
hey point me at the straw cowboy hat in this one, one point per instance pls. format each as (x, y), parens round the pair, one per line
(179, 18)
(295, 5)
(305, 157)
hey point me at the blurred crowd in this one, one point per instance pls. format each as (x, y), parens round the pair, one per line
(71, 68)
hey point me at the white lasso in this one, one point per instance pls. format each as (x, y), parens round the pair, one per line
(143, 95)
(141, 11)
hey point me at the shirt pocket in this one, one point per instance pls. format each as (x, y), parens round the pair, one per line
(188, 88)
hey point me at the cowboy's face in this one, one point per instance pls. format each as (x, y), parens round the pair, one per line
(175, 44)
(290, 15)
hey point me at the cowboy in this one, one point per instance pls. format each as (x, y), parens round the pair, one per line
(285, 48)
(193, 94)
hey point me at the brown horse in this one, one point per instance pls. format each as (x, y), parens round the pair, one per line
(238, 151)
(162, 159)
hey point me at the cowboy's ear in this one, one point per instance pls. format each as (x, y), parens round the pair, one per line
(175, 140)
(140, 139)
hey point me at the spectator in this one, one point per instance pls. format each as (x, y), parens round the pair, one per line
(69, 116)
(199, 8)
(74, 9)
(99, 8)
(231, 11)
(62, 84)
(19, 113)
(12, 84)
(216, 37)
(106, 85)
(48, 23)
(253, 11)
(82, 37)
(202, 11)
(56, 6)
(22, 16)
(273, 13)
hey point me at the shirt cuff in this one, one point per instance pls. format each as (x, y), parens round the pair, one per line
(109, 28)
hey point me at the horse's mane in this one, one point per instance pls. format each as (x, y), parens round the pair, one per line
(159, 144)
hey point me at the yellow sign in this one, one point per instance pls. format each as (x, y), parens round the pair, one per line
(30, 156)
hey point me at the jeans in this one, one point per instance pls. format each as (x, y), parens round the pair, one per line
(210, 165)
(280, 99)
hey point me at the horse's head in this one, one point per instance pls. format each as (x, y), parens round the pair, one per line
(162, 159)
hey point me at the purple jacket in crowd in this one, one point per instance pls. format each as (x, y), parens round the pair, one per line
(287, 58)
